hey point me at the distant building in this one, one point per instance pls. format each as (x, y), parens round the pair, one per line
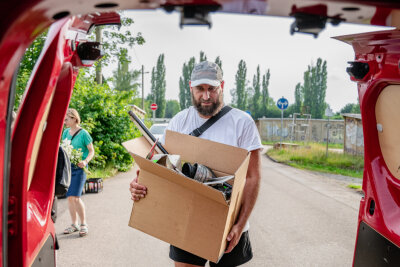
(303, 130)
(353, 137)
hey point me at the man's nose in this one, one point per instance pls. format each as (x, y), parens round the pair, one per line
(206, 94)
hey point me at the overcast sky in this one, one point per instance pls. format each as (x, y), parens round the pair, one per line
(258, 40)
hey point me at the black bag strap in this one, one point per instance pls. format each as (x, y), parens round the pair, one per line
(76, 133)
(199, 131)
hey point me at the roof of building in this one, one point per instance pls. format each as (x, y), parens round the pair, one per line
(351, 115)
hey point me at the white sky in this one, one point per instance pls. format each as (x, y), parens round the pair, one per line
(258, 40)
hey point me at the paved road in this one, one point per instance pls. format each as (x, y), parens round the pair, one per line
(300, 219)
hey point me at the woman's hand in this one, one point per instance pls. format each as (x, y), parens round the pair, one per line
(82, 164)
(137, 191)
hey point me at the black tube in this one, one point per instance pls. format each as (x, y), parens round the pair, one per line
(144, 128)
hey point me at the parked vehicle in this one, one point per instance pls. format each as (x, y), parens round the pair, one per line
(158, 129)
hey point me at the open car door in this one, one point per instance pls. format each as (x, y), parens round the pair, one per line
(31, 141)
(376, 69)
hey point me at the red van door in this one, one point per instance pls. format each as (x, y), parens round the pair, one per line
(377, 72)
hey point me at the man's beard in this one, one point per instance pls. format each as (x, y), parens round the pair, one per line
(208, 110)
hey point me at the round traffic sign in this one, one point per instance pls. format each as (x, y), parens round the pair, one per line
(153, 106)
(282, 103)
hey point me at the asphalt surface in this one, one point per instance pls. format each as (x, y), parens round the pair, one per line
(301, 219)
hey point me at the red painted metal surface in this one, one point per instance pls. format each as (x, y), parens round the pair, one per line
(34, 203)
(47, 99)
(382, 51)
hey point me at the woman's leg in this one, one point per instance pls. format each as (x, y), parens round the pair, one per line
(72, 209)
(80, 209)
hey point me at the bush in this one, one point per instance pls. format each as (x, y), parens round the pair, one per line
(104, 114)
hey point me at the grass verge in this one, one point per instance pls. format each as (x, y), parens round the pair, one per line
(354, 186)
(314, 158)
(105, 173)
(330, 145)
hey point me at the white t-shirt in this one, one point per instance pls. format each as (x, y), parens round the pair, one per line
(235, 128)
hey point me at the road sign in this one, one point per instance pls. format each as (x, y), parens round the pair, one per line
(282, 103)
(328, 112)
(153, 106)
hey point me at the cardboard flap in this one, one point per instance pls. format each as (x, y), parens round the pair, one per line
(241, 172)
(219, 157)
(139, 146)
(190, 184)
(236, 198)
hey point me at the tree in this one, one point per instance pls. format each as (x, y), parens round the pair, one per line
(239, 94)
(104, 115)
(307, 92)
(319, 86)
(219, 63)
(172, 108)
(185, 99)
(113, 41)
(29, 60)
(99, 72)
(314, 89)
(298, 99)
(124, 79)
(273, 110)
(265, 94)
(158, 86)
(203, 56)
(256, 101)
(350, 108)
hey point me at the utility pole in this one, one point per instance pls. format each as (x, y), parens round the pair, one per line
(143, 86)
(328, 113)
(99, 73)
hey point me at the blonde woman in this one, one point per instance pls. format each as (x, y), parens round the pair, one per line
(80, 139)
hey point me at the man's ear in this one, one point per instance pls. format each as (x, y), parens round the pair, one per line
(222, 85)
(190, 86)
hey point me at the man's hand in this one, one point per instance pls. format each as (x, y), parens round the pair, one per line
(137, 191)
(234, 237)
(250, 193)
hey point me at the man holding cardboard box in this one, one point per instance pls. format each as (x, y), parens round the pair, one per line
(234, 127)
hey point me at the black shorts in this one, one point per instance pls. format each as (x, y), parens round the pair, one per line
(240, 254)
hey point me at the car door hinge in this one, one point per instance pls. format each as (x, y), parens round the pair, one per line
(12, 216)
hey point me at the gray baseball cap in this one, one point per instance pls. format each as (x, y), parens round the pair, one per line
(206, 73)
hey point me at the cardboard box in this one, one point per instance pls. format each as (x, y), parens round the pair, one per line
(180, 210)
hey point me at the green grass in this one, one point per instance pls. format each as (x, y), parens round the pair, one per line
(330, 145)
(105, 173)
(314, 158)
(268, 143)
(354, 186)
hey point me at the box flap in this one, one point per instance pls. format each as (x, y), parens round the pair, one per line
(214, 155)
(190, 184)
(139, 146)
(236, 199)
